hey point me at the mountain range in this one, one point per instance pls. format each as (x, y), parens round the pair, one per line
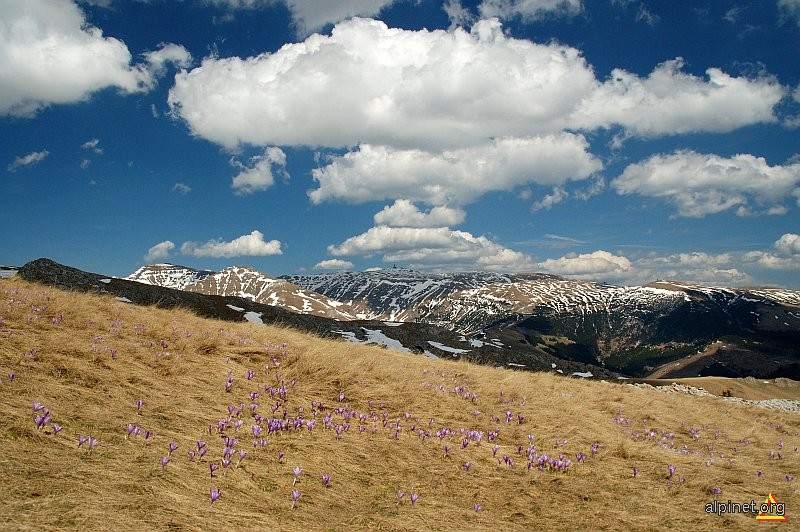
(528, 320)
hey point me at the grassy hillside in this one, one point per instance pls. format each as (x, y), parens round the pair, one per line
(457, 436)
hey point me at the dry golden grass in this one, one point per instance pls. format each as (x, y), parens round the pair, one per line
(50, 483)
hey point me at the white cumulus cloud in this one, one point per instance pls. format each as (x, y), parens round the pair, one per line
(167, 53)
(670, 101)
(771, 261)
(453, 176)
(258, 175)
(93, 145)
(50, 54)
(433, 247)
(722, 269)
(403, 213)
(334, 264)
(313, 15)
(596, 265)
(442, 117)
(27, 160)
(700, 184)
(786, 257)
(160, 251)
(529, 10)
(788, 244)
(447, 89)
(557, 196)
(431, 89)
(458, 14)
(251, 245)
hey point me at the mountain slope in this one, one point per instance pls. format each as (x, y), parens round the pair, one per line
(247, 283)
(629, 329)
(392, 294)
(168, 275)
(419, 338)
(380, 424)
(244, 282)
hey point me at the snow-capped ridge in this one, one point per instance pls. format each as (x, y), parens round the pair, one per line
(245, 282)
(168, 275)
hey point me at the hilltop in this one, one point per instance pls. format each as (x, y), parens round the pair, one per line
(276, 409)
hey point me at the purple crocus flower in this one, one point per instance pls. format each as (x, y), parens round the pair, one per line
(399, 495)
(414, 497)
(37, 406)
(225, 462)
(297, 472)
(595, 447)
(716, 490)
(191, 455)
(139, 404)
(12, 376)
(212, 467)
(92, 442)
(635, 472)
(172, 447)
(467, 465)
(215, 495)
(42, 420)
(82, 439)
(281, 454)
(446, 450)
(57, 428)
(671, 470)
(326, 479)
(477, 507)
(789, 478)
(295, 496)
(164, 461)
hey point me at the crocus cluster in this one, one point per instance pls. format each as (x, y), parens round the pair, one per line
(90, 442)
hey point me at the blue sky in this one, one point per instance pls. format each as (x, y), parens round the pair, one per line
(612, 140)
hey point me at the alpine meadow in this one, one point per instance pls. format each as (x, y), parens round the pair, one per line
(119, 416)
